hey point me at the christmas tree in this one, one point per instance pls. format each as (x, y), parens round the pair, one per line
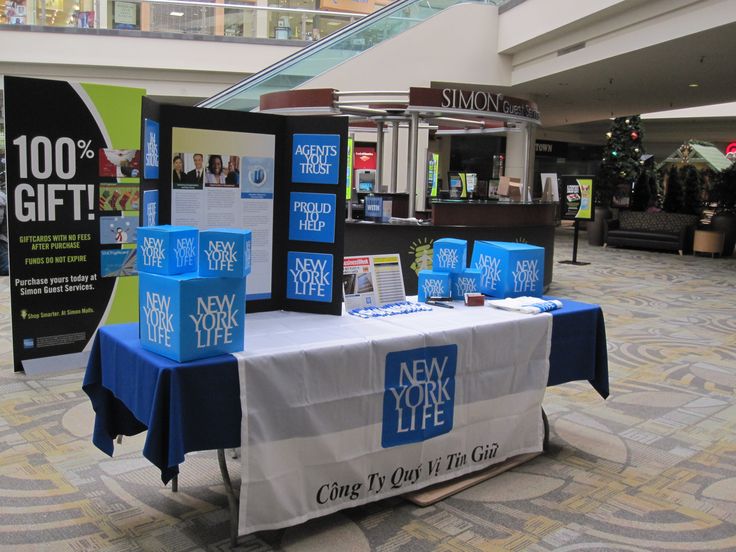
(621, 163)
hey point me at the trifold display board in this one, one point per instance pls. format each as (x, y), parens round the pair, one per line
(281, 177)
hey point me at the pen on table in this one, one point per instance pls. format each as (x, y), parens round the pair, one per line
(440, 304)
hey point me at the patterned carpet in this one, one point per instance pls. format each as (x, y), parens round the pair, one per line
(651, 468)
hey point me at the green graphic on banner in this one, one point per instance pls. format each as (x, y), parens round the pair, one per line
(433, 171)
(585, 212)
(120, 110)
(349, 179)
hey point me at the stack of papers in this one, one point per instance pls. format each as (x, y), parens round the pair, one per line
(527, 305)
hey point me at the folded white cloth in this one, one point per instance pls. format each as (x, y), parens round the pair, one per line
(527, 305)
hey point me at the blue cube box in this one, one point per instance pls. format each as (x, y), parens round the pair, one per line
(433, 284)
(450, 255)
(224, 253)
(167, 249)
(509, 269)
(185, 317)
(467, 281)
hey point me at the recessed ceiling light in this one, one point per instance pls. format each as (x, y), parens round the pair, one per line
(693, 85)
(177, 14)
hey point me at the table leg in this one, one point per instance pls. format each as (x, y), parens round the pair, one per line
(232, 500)
(545, 421)
(175, 484)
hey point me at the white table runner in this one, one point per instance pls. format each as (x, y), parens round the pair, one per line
(341, 411)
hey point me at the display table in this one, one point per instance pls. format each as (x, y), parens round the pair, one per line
(708, 241)
(196, 405)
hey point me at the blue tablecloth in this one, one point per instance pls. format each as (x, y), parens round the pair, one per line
(196, 405)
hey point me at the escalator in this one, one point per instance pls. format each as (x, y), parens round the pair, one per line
(331, 51)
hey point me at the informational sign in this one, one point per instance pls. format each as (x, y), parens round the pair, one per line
(282, 178)
(577, 197)
(349, 175)
(365, 157)
(125, 15)
(432, 172)
(372, 280)
(227, 181)
(72, 230)
(585, 212)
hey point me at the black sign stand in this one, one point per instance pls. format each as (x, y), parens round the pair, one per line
(575, 248)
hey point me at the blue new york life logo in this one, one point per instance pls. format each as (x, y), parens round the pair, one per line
(150, 149)
(490, 269)
(312, 217)
(315, 158)
(150, 207)
(419, 396)
(309, 276)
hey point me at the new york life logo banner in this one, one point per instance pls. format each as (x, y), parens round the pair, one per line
(150, 149)
(315, 158)
(419, 399)
(309, 276)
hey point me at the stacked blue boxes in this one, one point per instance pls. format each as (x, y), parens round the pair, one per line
(191, 315)
(449, 276)
(509, 269)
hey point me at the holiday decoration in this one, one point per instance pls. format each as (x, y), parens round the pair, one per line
(621, 164)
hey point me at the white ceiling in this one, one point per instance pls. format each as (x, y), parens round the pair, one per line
(657, 78)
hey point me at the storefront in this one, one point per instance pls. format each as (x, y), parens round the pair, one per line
(427, 177)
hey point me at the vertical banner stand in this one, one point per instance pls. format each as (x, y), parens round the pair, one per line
(575, 248)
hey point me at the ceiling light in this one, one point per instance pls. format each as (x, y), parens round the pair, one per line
(693, 85)
(177, 14)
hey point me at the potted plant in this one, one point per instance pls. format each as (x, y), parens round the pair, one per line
(724, 216)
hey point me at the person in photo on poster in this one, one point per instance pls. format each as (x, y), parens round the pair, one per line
(214, 174)
(233, 170)
(177, 174)
(196, 175)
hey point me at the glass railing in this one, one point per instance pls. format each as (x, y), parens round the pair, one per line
(269, 19)
(340, 46)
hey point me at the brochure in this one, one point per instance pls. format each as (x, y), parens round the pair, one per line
(372, 280)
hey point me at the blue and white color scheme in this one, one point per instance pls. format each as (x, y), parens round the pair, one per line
(373, 208)
(419, 396)
(225, 253)
(309, 276)
(256, 180)
(433, 284)
(383, 406)
(450, 255)
(167, 249)
(509, 269)
(312, 217)
(151, 145)
(315, 158)
(150, 208)
(184, 317)
(467, 281)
